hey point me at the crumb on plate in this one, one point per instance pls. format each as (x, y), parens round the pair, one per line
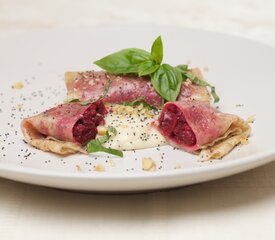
(78, 168)
(19, 106)
(99, 168)
(177, 166)
(148, 164)
(111, 162)
(18, 85)
(206, 69)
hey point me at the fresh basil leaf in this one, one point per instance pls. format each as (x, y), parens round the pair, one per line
(157, 50)
(183, 70)
(74, 100)
(95, 145)
(200, 82)
(182, 67)
(124, 61)
(167, 82)
(147, 68)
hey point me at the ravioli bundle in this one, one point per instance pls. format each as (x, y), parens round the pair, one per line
(195, 125)
(65, 128)
(91, 85)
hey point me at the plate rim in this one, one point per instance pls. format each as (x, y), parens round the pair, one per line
(238, 162)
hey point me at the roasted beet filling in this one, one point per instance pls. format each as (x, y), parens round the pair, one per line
(85, 128)
(173, 124)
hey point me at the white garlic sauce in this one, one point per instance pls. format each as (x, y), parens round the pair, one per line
(134, 127)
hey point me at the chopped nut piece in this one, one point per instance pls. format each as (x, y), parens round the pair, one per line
(251, 119)
(206, 69)
(19, 106)
(112, 163)
(177, 167)
(92, 82)
(121, 110)
(101, 130)
(114, 108)
(148, 164)
(244, 141)
(140, 106)
(188, 62)
(78, 168)
(129, 109)
(239, 105)
(18, 85)
(118, 109)
(99, 168)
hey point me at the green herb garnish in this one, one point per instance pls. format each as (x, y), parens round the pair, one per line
(74, 100)
(139, 101)
(166, 79)
(183, 69)
(167, 82)
(106, 89)
(83, 103)
(95, 145)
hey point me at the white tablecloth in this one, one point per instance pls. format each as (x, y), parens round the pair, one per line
(238, 207)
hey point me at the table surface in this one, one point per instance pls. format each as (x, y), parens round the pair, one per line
(231, 208)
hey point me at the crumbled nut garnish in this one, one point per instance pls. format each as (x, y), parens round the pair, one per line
(188, 62)
(91, 82)
(177, 167)
(101, 130)
(112, 163)
(251, 119)
(99, 168)
(78, 168)
(129, 109)
(114, 108)
(18, 85)
(206, 69)
(19, 106)
(239, 105)
(148, 164)
(139, 107)
(244, 141)
(120, 109)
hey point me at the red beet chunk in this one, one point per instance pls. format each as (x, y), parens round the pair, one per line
(173, 125)
(184, 134)
(168, 120)
(85, 128)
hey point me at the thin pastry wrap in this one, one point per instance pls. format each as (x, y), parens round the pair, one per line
(91, 85)
(195, 125)
(65, 128)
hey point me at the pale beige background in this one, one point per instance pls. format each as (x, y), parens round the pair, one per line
(238, 207)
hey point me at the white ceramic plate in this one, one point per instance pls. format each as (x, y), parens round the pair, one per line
(242, 71)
